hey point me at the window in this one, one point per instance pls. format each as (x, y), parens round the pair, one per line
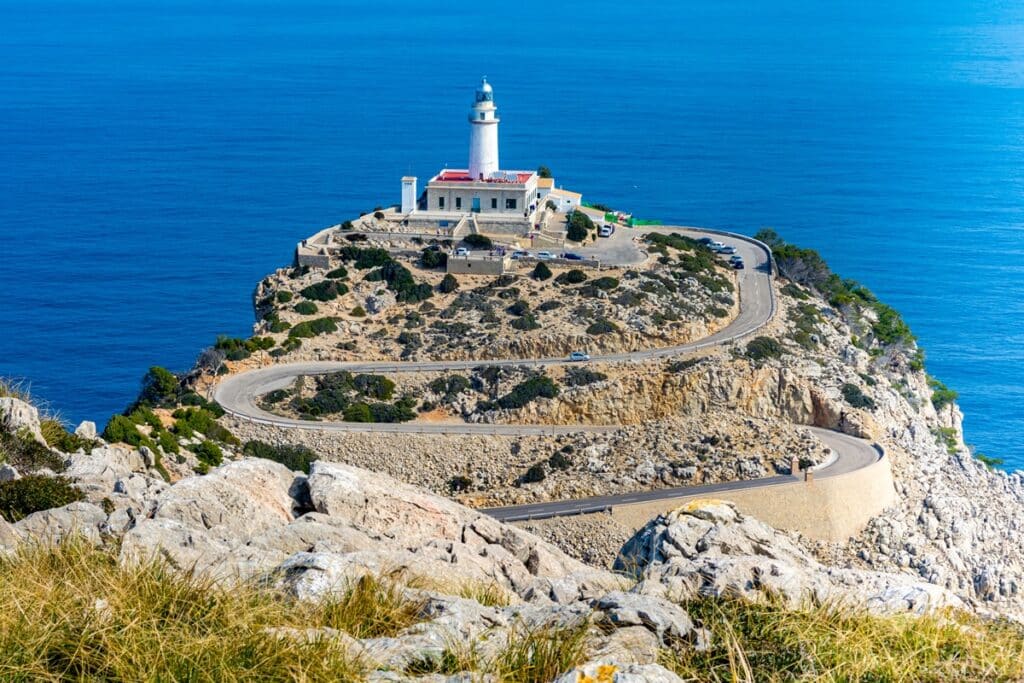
(440, 202)
(458, 203)
(481, 116)
(494, 202)
(510, 203)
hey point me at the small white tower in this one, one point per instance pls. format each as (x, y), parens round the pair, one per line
(483, 134)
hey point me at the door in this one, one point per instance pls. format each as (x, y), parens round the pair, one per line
(476, 205)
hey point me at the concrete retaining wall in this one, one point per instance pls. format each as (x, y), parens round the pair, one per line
(487, 265)
(830, 509)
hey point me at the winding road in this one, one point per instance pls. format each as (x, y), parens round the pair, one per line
(237, 394)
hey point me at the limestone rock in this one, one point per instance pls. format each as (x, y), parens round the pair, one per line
(8, 473)
(667, 621)
(86, 429)
(617, 672)
(16, 415)
(56, 524)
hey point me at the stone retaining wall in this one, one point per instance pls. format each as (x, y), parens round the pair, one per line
(830, 509)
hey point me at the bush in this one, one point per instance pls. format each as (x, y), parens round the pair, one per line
(448, 284)
(536, 473)
(347, 225)
(57, 436)
(520, 307)
(450, 386)
(571, 277)
(339, 273)
(120, 429)
(358, 312)
(606, 283)
(433, 258)
(284, 296)
(313, 328)
(525, 323)
(19, 498)
(478, 241)
(189, 421)
(549, 305)
(159, 387)
(295, 458)
(524, 392)
(325, 290)
(208, 453)
(579, 226)
(306, 308)
(579, 377)
(763, 348)
(941, 394)
(602, 327)
(559, 461)
(26, 454)
(459, 482)
(358, 412)
(856, 398)
(168, 443)
(364, 259)
(543, 172)
(379, 215)
(541, 271)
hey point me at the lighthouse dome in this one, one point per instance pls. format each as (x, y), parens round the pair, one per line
(485, 86)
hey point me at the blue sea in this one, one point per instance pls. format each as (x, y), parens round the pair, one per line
(157, 159)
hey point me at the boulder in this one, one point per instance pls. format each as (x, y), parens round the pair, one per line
(667, 621)
(56, 524)
(86, 429)
(708, 548)
(8, 473)
(16, 415)
(610, 671)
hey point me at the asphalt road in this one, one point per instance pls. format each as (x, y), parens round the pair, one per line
(237, 394)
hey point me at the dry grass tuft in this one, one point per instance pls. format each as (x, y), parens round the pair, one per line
(768, 642)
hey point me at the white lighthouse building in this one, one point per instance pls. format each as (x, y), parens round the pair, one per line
(482, 194)
(483, 134)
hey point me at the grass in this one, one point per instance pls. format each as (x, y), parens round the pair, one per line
(825, 643)
(72, 613)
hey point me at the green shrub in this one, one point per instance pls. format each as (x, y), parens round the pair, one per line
(233, 347)
(579, 377)
(358, 312)
(279, 326)
(306, 308)
(549, 305)
(189, 421)
(25, 454)
(525, 323)
(57, 436)
(120, 429)
(571, 277)
(295, 458)
(284, 296)
(19, 498)
(168, 443)
(559, 461)
(602, 327)
(313, 328)
(365, 259)
(524, 392)
(449, 284)
(159, 387)
(535, 474)
(520, 307)
(347, 225)
(433, 258)
(459, 482)
(541, 271)
(857, 398)
(941, 394)
(325, 290)
(339, 273)
(988, 461)
(450, 386)
(208, 453)
(478, 241)
(606, 283)
(763, 348)
(579, 226)
(543, 172)
(358, 412)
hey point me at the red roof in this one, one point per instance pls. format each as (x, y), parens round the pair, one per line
(462, 176)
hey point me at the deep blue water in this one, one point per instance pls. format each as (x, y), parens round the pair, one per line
(156, 162)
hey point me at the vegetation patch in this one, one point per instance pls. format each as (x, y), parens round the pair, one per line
(313, 328)
(602, 326)
(523, 393)
(306, 308)
(19, 498)
(541, 271)
(579, 226)
(942, 395)
(853, 395)
(295, 458)
(581, 377)
(325, 290)
(762, 348)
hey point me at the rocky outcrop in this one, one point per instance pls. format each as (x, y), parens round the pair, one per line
(18, 416)
(707, 548)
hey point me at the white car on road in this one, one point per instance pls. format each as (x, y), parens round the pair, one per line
(579, 356)
(545, 255)
(462, 251)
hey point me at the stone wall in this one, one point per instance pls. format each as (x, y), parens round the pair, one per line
(831, 509)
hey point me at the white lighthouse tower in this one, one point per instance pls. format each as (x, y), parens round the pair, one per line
(483, 134)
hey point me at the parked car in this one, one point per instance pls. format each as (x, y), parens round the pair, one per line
(520, 254)
(734, 258)
(706, 241)
(715, 245)
(725, 249)
(462, 251)
(569, 256)
(738, 265)
(545, 255)
(606, 230)
(579, 356)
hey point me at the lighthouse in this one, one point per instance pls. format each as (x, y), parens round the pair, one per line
(483, 134)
